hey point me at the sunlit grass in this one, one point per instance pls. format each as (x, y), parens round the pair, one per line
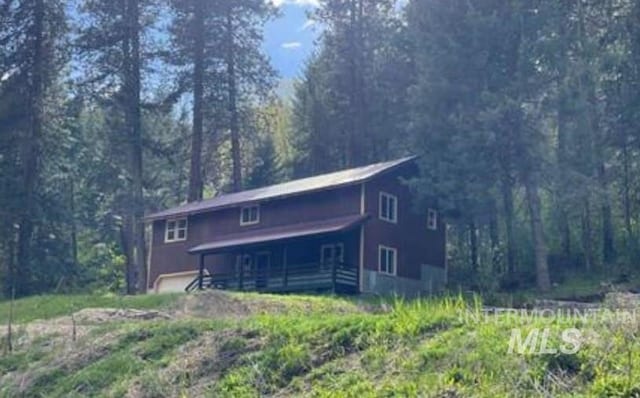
(431, 347)
(51, 306)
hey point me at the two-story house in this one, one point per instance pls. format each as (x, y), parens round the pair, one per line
(351, 231)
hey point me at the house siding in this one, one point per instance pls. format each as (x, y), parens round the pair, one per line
(173, 257)
(421, 261)
(416, 244)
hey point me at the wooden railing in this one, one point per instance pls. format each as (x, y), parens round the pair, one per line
(338, 277)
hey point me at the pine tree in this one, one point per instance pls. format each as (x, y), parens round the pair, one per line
(219, 43)
(354, 54)
(469, 117)
(32, 35)
(110, 41)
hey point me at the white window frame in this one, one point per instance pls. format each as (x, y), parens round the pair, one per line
(251, 222)
(395, 260)
(389, 196)
(432, 219)
(175, 230)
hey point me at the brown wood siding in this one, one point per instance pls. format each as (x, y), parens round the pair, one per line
(173, 257)
(416, 244)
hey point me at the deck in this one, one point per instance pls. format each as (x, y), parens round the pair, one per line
(338, 278)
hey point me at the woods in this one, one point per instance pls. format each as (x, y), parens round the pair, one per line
(524, 115)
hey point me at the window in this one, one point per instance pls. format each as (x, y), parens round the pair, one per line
(387, 257)
(244, 264)
(432, 219)
(176, 230)
(388, 207)
(330, 253)
(250, 215)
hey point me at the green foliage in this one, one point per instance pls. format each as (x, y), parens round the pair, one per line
(508, 104)
(352, 94)
(404, 348)
(51, 306)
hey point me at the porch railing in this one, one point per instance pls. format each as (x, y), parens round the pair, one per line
(339, 277)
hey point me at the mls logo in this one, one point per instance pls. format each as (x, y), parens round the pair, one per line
(537, 342)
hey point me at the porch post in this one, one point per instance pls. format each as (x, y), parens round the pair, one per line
(334, 271)
(240, 280)
(284, 266)
(201, 272)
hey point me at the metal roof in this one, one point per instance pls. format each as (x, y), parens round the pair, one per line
(282, 233)
(316, 183)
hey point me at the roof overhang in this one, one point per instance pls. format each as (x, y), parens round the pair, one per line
(281, 233)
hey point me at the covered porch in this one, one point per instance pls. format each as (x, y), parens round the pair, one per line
(305, 257)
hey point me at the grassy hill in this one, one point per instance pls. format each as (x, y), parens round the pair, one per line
(249, 345)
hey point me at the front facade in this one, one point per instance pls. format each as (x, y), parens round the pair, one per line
(352, 231)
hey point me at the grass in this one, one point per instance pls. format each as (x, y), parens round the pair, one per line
(434, 348)
(51, 306)
(577, 286)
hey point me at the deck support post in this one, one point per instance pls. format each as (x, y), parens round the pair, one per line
(201, 272)
(240, 280)
(285, 271)
(334, 274)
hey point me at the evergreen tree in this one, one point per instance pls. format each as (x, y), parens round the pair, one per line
(110, 42)
(352, 84)
(31, 58)
(219, 43)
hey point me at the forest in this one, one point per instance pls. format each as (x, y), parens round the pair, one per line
(525, 116)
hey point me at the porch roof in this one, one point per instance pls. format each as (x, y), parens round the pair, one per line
(282, 233)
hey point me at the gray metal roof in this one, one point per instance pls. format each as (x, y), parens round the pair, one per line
(283, 232)
(316, 183)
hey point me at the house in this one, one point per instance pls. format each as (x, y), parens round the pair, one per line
(352, 231)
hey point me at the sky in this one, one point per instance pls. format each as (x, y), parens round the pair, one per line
(289, 39)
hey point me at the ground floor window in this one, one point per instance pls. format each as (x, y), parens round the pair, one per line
(387, 259)
(331, 253)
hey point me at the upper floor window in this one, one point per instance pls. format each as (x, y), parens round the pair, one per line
(432, 219)
(388, 207)
(250, 215)
(176, 230)
(387, 259)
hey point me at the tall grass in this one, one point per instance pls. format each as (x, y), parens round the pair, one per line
(442, 346)
(51, 306)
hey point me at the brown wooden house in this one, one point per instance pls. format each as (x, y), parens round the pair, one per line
(351, 231)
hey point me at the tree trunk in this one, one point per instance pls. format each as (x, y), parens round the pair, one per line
(494, 236)
(234, 124)
(30, 150)
(7, 244)
(562, 180)
(537, 233)
(133, 117)
(626, 197)
(355, 153)
(473, 245)
(127, 249)
(507, 198)
(74, 225)
(586, 235)
(608, 249)
(563, 136)
(195, 173)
